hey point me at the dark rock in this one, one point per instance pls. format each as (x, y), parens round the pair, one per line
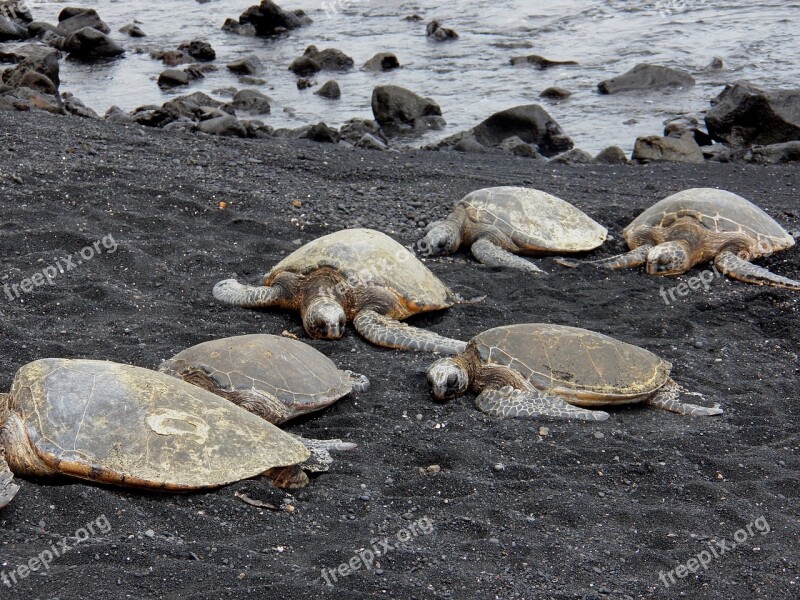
(655, 148)
(683, 125)
(329, 59)
(74, 106)
(439, 33)
(322, 133)
(17, 11)
(370, 142)
(11, 31)
(715, 65)
(89, 43)
(744, 115)
(37, 29)
(251, 101)
(555, 93)
(116, 115)
(199, 50)
(540, 61)
(39, 60)
(258, 130)
(515, 145)
(397, 106)
(246, 66)
(304, 84)
(576, 156)
(775, 154)
(171, 78)
(470, 146)
(225, 126)
(72, 20)
(723, 153)
(646, 77)
(383, 61)
(304, 66)
(267, 19)
(330, 90)
(413, 18)
(171, 58)
(355, 129)
(429, 123)
(133, 30)
(613, 155)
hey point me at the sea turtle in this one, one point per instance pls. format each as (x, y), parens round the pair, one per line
(699, 225)
(354, 274)
(125, 425)
(538, 369)
(275, 377)
(500, 222)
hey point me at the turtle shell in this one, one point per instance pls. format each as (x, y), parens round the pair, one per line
(301, 377)
(719, 211)
(587, 366)
(536, 221)
(122, 424)
(366, 257)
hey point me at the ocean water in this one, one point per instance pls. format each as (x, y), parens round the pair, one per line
(472, 77)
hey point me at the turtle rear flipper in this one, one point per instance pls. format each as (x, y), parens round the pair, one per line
(390, 333)
(634, 258)
(492, 255)
(232, 292)
(510, 402)
(733, 266)
(8, 489)
(668, 398)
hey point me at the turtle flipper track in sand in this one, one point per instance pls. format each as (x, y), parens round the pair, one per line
(232, 292)
(668, 398)
(390, 333)
(8, 489)
(731, 265)
(634, 258)
(491, 255)
(510, 402)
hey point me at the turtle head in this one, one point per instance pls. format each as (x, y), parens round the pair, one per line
(669, 258)
(441, 238)
(324, 318)
(448, 378)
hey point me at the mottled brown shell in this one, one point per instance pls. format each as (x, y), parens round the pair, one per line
(122, 424)
(719, 212)
(301, 377)
(536, 221)
(573, 362)
(370, 258)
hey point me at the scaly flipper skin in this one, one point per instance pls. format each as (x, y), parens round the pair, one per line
(8, 489)
(321, 459)
(390, 333)
(733, 266)
(492, 255)
(360, 382)
(634, 258)
(668, 398)
(232, 292)
(510, 402)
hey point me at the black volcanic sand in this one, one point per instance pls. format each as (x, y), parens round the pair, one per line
(585, 511)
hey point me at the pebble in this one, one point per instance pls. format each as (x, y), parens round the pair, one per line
(150, 533)
(544, 431)
(599, 435)
(499, 467)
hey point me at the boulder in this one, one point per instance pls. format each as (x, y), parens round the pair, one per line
(613, 155)
(744, 115)
(370, 142)
(304, 66)
(531, 123)
(470, 146)
(322, 133)
(576, 156)
(555, 94)
(89, 43)
(267, 19)
(17, 11)
(133, 30)
(329, 59)
(304, 83)
(72, 20)
(116, 115)
(37, 29)
(439, 33)
(225, 126)
(11, 31)
(383, 61)
(682, 125)
(516, 146)
(330, 89)
(251, 101)
(655, 148)
(246, 66)
(35, 60)
(199, 50)
(775, 154)
(540, 61)
(396, 106)
(646, 77)
(355, 129)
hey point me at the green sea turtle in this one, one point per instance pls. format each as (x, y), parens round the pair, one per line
(700, 225)
(275, 377)
(124, 425)
(357, 275)
(498, 223)
(537, 369)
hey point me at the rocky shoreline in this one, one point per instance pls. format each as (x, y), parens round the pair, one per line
(743, 124)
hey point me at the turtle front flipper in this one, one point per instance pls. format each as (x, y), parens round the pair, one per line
(668, 398)
(492, 255)
(510, 402)
(634, 258)
(8, 489)
(232, 292)
(360, 382)
(731, 265)
(321, 459)
(390, 333)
